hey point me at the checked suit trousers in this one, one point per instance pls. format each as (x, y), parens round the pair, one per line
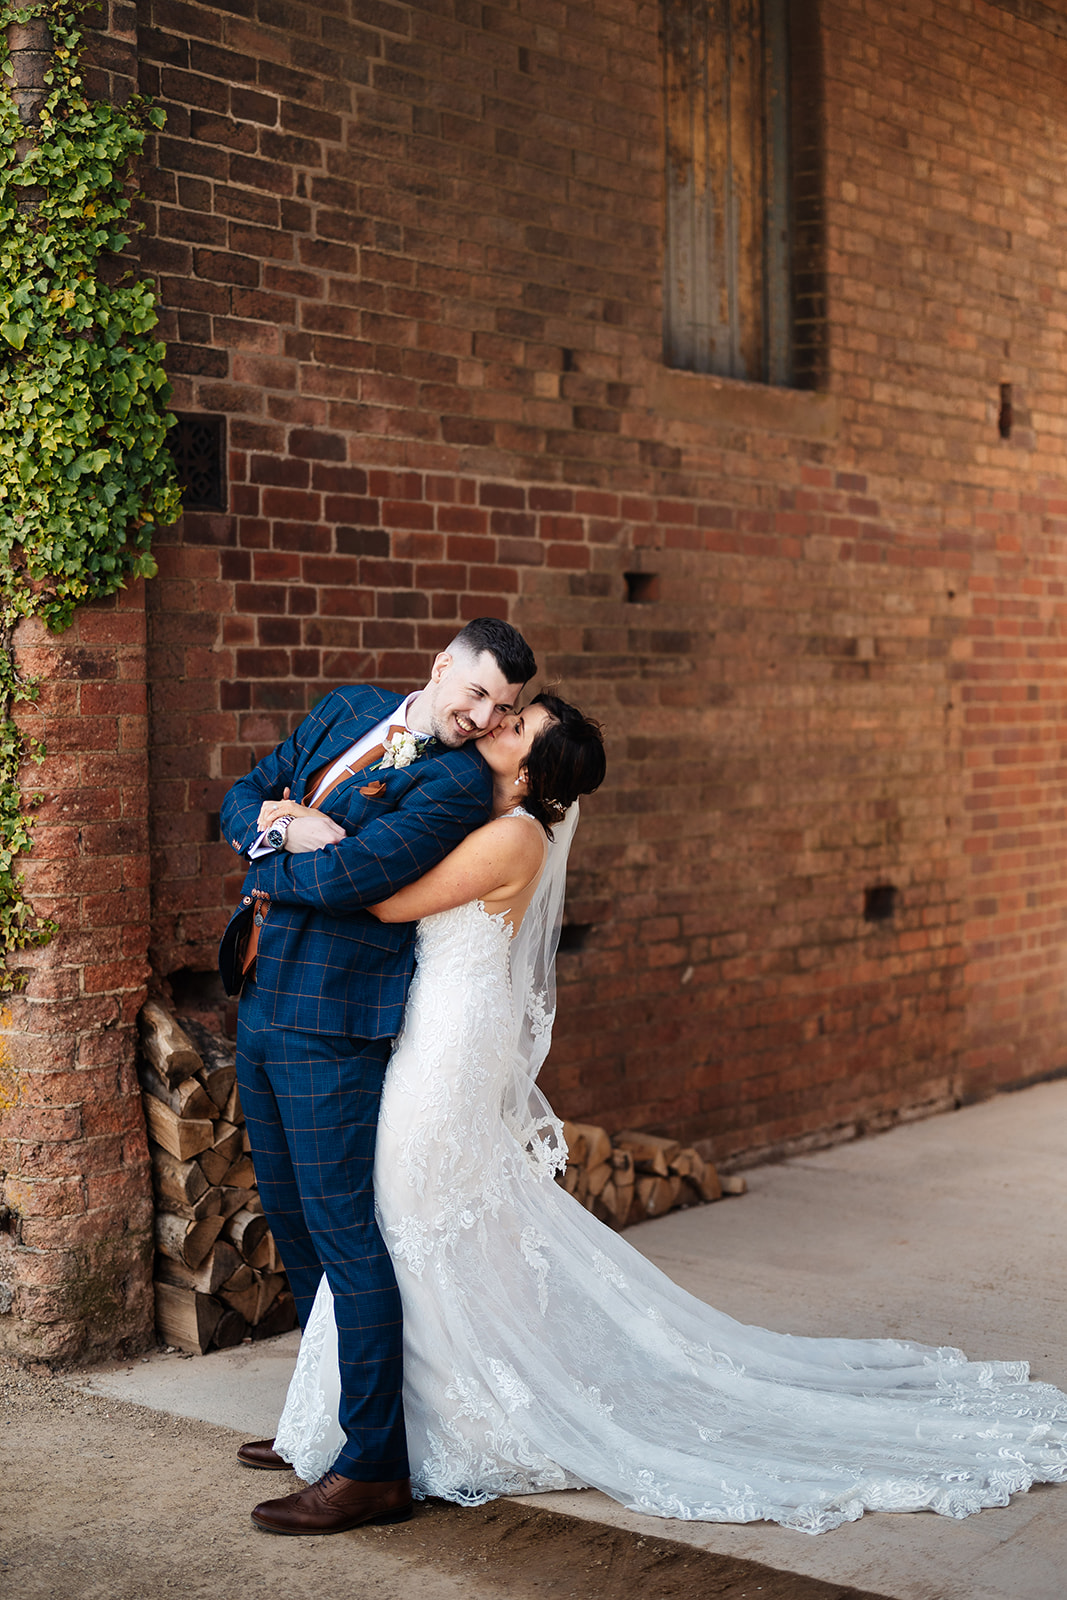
(311, 1105)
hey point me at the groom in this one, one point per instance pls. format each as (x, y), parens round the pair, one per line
(389, 787)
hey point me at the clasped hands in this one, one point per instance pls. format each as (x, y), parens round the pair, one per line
(309, 829)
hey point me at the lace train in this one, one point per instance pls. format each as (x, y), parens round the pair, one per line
(543, 1352)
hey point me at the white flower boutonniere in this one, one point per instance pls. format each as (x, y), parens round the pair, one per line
(404, 748)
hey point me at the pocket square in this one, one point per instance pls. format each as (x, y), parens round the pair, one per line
(373, 791)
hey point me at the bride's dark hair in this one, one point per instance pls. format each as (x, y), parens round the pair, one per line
(566, 759)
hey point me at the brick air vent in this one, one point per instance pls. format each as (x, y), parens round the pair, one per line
(1005, 416)
(879, 903)
(198, 445)
(642, 588)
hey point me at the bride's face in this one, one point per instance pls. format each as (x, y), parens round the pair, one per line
(505, 749)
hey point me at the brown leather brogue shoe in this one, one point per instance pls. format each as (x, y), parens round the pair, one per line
(262, 1454)
(335, 1504)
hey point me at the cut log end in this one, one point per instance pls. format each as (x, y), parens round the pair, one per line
(166, 1045)
(631, 1176)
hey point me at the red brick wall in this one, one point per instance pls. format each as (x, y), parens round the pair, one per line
(413, 253)
(76, 1250)
(946, 282)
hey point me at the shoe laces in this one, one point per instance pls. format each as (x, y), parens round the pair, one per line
(331, 1480)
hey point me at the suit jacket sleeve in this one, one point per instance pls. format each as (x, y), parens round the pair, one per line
(239, 812)
(446, 802)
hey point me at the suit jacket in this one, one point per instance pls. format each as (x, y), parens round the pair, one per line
(324, 964)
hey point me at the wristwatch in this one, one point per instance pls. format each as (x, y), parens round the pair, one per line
(275, 834)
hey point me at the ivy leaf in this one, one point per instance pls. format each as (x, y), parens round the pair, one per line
(84, 470)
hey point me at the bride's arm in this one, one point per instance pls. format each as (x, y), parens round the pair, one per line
(492, 863)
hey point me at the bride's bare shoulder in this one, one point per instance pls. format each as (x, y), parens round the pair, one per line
(516, 835)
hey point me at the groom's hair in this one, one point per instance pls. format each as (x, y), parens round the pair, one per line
(504, 643)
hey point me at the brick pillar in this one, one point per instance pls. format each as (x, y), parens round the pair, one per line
(75, 1193)
(30, 46)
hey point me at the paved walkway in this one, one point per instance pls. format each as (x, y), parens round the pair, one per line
(950, 1231)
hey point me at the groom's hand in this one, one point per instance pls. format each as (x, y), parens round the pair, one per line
(310, 830)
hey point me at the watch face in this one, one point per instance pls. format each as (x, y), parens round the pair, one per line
(275, 838)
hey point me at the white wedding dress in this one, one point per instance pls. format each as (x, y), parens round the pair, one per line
(543, 1352)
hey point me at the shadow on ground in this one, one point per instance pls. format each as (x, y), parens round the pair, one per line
(106, 1501)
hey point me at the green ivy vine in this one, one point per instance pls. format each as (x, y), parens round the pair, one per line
(85, 473)
(19, 924)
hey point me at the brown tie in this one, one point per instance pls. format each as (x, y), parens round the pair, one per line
(375, 753)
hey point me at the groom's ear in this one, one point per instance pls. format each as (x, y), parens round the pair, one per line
(441, 664)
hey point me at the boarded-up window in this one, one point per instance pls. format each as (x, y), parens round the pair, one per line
(728, 304)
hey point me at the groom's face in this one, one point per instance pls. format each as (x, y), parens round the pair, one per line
(469, 696)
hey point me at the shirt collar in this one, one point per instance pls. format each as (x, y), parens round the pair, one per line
(405, 712)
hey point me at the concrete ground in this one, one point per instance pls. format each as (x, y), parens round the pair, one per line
(949, 1231)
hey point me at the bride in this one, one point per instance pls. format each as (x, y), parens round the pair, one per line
(541, 1351)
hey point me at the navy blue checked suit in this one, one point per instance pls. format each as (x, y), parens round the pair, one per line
(316, 1025)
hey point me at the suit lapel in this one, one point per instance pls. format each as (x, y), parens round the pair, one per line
(346, 732)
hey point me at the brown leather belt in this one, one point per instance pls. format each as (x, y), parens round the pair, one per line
(262, 911)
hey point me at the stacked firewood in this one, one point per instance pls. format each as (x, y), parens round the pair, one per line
(624, 1178)
(218, 1276)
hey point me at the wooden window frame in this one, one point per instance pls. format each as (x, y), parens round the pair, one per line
(742, 271)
